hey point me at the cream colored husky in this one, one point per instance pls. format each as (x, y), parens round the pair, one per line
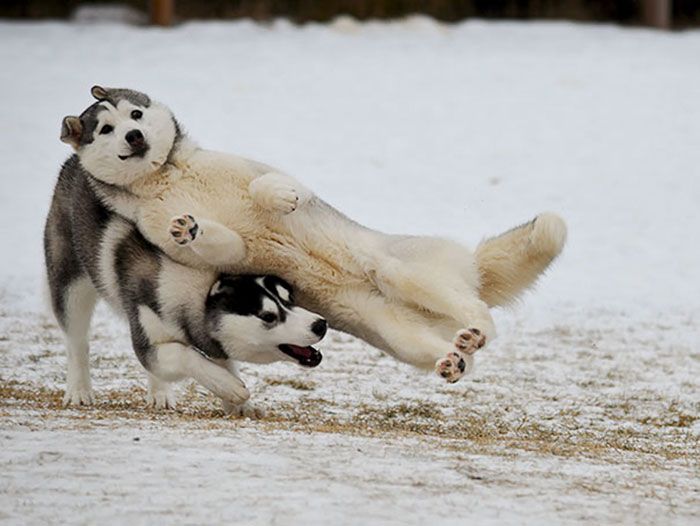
(424, 300)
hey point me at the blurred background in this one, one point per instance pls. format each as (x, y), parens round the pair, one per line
(457, 118)
(659, 13)
(512, 106)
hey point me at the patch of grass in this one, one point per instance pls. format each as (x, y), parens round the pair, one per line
(403, 411)
(294, 383)
(458, 427)
(673, 416)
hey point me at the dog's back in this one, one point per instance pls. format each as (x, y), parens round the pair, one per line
(84, 239)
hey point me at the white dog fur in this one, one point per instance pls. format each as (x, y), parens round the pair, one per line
(424, 300)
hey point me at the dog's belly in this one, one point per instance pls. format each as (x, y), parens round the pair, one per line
(315, 248)
(317, 264)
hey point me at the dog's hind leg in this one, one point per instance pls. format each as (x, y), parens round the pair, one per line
(442, 293)
(411, 336)
(78, 303)
(73, 300)
(215, 243)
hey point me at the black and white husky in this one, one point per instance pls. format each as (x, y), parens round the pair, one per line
(425, 300)
(184, 322)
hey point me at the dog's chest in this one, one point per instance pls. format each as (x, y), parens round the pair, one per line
(215, 186)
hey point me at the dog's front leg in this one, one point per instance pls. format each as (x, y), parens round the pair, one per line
(278, 192)
(246, 409)
(171, 362)
(160, 394)
(218, 245)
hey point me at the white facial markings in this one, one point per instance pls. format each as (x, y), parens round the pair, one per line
(248, 338)
(269, 305)
(282, 293)
(101, 157)
(216, 288)
(105, 117)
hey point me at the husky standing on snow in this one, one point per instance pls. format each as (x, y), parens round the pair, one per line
(424, 300)
(185, 322)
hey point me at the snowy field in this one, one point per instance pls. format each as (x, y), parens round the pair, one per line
(586, 409)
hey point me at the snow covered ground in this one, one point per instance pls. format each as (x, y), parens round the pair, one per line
(587, 407)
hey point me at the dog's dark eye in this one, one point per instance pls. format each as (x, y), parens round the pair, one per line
(136, 114)
(268, 317)
(106, 129)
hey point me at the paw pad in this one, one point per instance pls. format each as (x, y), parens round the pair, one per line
(469, 340)
(452, 367)
(183, 229)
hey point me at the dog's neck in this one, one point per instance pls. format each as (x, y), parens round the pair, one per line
(116, 198)
(125, 199)
(177, 163)
(183, 148)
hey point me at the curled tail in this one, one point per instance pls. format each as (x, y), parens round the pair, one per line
(510, 263)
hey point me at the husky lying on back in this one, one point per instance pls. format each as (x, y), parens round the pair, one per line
(185, 322)
(425, 300)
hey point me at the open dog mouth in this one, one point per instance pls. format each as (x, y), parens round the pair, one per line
(306, 356)
(140, 153)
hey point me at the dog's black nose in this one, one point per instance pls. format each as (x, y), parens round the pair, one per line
(134, 138)
(319, 327)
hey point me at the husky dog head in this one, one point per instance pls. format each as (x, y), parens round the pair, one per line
(255, 320)
(123, 136)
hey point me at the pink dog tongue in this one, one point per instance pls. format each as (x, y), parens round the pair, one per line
(301, 351)
(306, 356)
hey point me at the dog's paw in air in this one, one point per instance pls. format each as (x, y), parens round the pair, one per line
(285, 199)
(469, 340)
(453, 366)
(274, 193)
(183, 229)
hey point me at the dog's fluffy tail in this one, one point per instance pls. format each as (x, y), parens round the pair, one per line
(512, 262)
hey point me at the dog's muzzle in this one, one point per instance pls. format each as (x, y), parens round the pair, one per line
(137, 143)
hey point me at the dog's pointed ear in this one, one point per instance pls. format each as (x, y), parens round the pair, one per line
(100, 93)
(71, 130)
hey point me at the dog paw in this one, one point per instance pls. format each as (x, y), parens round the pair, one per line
(275, 195)
(161, 399)
(183, 229)
(77, 396)
(469, 341)
(285, 199)
(246, 410)
(452, 367)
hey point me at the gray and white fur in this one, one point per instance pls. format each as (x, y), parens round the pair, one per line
(184, 322)
(424, 300)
